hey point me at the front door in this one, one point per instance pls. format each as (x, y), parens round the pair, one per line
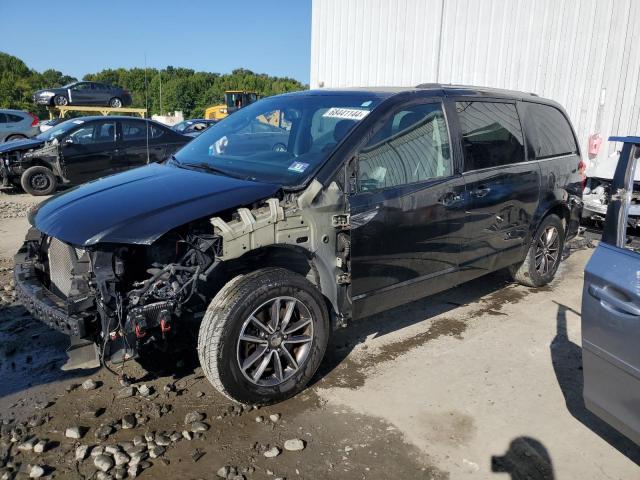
(87, 152)
(503, 189)
(407, 213)
(81, 94)
(611, 312)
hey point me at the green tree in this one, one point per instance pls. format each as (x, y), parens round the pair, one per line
(182, 88)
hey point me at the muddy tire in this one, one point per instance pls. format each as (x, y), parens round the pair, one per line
(544, 254)
(38, 181)
(263, 336)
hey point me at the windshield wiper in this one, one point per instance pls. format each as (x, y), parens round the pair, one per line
(205, 166)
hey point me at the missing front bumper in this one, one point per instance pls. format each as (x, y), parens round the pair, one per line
(43, 304)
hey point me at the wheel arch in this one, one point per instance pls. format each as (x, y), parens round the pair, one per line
(293, 258)
(38, 162)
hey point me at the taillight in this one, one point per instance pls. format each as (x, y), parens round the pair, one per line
(581, 169)
(34, 120)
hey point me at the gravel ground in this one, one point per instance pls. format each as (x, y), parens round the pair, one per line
(432, 390)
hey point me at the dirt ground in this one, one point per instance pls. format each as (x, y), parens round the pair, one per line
(483, 381)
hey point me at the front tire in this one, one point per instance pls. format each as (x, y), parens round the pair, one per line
(263, 336)
(115, 103)
(544, 254)
(38, 181)
(60, 101)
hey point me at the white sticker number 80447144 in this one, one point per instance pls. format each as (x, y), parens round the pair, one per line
(346, 113)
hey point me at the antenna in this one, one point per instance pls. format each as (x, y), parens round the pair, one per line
(160, 72)
(146, 104)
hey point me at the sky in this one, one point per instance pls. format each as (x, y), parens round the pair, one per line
(78, 37)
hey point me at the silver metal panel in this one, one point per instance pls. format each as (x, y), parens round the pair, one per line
(61, 261)
(575, 52)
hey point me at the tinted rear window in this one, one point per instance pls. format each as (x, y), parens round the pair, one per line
(550, 133)
(491, 134)
(11, 118)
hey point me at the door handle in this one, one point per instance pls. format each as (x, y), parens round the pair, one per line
(480, 192)
(449, 198)
(607, 297)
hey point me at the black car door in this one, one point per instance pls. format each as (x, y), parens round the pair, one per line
(101, 94)
(82, 94)
(611, 310)
(407, 213)
(88, 151)
(164, 142)
(503, 188)
(139, 143)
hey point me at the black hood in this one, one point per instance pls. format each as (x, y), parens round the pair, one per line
(26, 144)
(139, 206)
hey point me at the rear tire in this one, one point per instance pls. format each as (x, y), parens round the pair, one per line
(115, 103)
(544, 254)
(288, 351)
(38, 181)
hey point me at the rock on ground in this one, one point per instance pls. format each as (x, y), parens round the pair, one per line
(294, 445)
(272, 452)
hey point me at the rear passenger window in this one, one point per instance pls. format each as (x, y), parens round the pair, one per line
(156, 132)
(14, 118)
(548, 131)
(413, 146)
(491, 134)
(133, 130)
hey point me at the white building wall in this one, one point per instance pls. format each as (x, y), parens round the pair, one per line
(577, 52)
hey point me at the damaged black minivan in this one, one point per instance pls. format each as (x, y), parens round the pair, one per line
(372, 198)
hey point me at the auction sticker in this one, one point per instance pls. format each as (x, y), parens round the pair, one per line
(346, 113)
(298, 167)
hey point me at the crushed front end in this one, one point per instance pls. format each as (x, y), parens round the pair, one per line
(117, 299)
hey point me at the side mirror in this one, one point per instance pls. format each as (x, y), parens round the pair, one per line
(68, 141)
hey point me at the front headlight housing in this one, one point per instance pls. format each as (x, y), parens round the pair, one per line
(46, 93)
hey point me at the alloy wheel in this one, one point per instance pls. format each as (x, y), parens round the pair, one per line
(547, 250)
(275, 341)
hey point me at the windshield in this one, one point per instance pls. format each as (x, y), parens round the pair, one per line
(182, 126)
(59, 130)
(281, 139)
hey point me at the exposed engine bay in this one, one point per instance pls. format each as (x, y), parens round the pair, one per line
(14, 162)
(123, 299)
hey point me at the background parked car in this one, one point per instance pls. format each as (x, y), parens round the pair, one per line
(83, 149)
(17, 125)
(193, 127)
(84, 93)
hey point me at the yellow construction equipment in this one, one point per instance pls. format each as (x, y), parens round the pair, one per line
(233, 100)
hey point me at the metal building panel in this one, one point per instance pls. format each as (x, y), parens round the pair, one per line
(567, 50)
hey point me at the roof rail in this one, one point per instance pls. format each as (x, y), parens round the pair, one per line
(429, 85)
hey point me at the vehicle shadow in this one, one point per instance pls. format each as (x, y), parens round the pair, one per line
(526, 459)
(31, 353)
(344, 340)
(566, 357)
